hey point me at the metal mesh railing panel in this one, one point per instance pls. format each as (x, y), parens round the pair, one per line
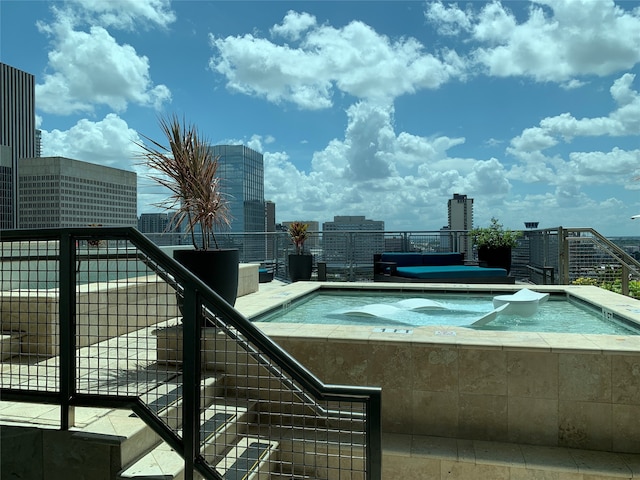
(592, 258)
(29, 319)
(125, 311)
(117, 316)
(257, 401)
(544, 256)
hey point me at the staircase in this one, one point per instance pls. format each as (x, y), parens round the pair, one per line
(253, 424)
(251, 411)
(236, 438)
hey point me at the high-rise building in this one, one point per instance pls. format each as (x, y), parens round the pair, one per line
(269, 216)
(17, 131)
(460, 209)
(241, 171)
(270, 227)
(158, 222)
(38, 152)
(6, 188)
(61, 192)
(343, 244)
(158, 227)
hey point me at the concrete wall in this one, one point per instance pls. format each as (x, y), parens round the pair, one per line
(567, 397)
(104, 310)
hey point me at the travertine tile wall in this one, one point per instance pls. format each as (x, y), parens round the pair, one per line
(571, 398)
(103, 310)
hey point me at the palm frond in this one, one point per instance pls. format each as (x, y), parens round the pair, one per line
(188, 169)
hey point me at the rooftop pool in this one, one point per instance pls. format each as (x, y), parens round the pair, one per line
(562, 313)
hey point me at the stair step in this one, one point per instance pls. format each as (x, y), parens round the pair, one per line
(163, 397)
(131, 435)
(10, 344)
(249, 459)
(219, 431)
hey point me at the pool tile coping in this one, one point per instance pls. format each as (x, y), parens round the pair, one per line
(280, 294)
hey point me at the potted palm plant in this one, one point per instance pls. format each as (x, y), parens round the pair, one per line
(300, 263)
(494, 244)
(188, 169)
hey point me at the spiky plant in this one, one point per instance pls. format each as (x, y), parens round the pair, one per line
(298, 233)
(188, 169)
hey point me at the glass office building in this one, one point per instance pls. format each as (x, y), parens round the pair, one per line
(241, 171)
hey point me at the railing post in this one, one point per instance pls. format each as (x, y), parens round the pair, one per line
(67, 312)
(624, 281)
(563, 252)
(350, 254)
(191, 376)
(374, 438)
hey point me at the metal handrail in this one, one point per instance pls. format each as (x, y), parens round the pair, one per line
(628, 264)
(196, 293)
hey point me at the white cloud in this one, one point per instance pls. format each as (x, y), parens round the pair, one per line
(353, 59)
(615, 167)
(449, 20)
(532, 139)
(294, 25)
(89, 68)
(258, 67)
(559, 39)
(109, 142)
(126, 14)
(600, 167)
(624, 121)
(375, 171)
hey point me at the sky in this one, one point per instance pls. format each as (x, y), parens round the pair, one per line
(376, 108)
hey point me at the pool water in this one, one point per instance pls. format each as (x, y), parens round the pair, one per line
(559, 314)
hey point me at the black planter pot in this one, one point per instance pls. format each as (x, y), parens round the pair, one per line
(217, 268)
(495, 257)
(300, 267)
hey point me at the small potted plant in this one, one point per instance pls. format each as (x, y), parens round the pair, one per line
(300, 263)
(188, 169)
(494, 244)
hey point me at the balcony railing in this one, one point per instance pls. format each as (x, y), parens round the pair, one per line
(95, 311)
(542, 256)
(545, 256)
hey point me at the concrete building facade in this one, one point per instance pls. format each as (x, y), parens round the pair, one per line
(460, 212)
(62, 192)
(17, 131)
(343, 244)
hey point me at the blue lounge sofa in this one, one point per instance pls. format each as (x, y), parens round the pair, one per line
(433, 267)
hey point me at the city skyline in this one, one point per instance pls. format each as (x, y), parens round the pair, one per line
(382, 109)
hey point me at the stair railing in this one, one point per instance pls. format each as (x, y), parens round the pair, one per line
(94, 303)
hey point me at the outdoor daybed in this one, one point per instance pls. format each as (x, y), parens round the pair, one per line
(433, 268)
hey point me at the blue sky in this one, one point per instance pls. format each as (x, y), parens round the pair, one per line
(376, 108)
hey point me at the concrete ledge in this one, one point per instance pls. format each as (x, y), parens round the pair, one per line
(103, 310)
(248, 279)
(407, 456)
